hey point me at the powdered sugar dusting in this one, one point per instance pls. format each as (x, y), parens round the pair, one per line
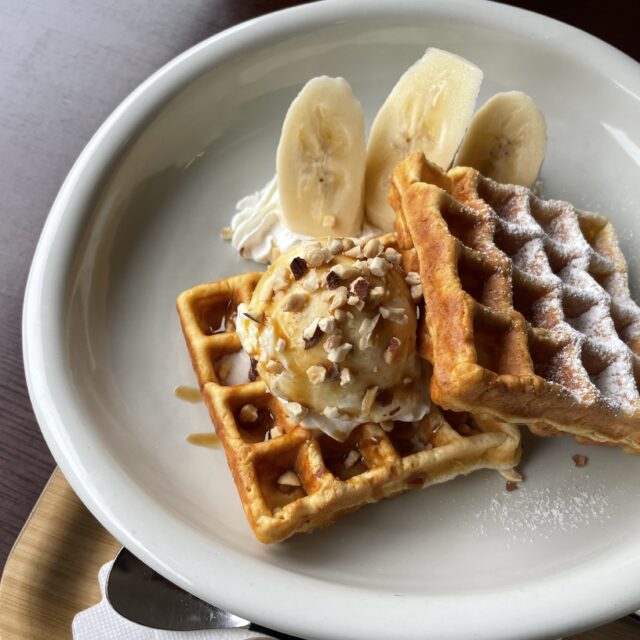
(528, 515)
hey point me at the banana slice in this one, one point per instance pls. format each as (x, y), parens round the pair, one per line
(507, 139)
(429, 109)
(320, 160)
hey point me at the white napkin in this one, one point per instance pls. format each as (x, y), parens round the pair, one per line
(101, 622)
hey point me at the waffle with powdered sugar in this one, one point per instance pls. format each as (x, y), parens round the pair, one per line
(529, 315)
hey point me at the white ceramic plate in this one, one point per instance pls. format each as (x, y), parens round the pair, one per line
(137, 222)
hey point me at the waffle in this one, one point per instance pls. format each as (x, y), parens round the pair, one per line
(333, 480)
(529, 316)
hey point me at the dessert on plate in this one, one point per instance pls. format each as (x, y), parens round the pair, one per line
(410, 316)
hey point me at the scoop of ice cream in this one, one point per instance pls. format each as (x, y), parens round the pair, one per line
(332, 327)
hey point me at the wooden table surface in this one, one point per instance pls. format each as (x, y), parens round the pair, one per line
(64, 66)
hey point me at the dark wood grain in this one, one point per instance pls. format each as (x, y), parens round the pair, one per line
(64, 66)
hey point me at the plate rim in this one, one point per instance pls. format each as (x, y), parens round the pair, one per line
(52, 258)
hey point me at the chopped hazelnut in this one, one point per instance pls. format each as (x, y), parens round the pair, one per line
(295, 301)
(366, 330)
(352, 457)
(328, 325)
(368, 399)
(354, 252)
(345, 271)
(298, 267)
(280, 279)
(274, 432)
(345, 377)
(311, 283)
(339, 353)
(394, 314)
(226, 233)
(362, 267)
(289, 479)
(378, 266)
(371, 248)
(376, 294)
(511, 486)
(391, 352)
(333, 372)
(295, 410)
(331, 412)
(248, 413)
(332, 342)
(336, 246)
(579, 460)
(332, 280)
(339, 298)
(339, 315)
(347, 243)
(416, 292)
(316, 374)
(360, 287)
(253, 369)
(316, 255)
(412, 278)
(281, 345)
(392, 255)
(316, 336)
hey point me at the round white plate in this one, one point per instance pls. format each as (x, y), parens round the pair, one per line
(137, 222)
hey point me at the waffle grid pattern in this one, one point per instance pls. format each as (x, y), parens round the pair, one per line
(529, 311)
(441, 446)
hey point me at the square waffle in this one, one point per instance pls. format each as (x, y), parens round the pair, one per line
(529, 316)
(333, 480)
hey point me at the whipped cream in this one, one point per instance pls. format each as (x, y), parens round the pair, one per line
(259, 232)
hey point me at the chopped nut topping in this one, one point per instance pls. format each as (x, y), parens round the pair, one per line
(371, 248)
(362, 267)
(311, 342)
(345, 377)
(366, 330)
(354, 252)
(332, 412)
(274, 432)
(253, 369)
(316, 255)
(336, 246)
(511, 486)
(352, 457)
(295, 410)
(378, 266)
(360, 287)
(368, 399)
(387, 426)
(391, 352)
(332, 342)
(347, 243)
(298, 267)
(579, 460)
(289, 479)
(332, 280)
(416, 292)
(511, 474)
(392, 255)
(311, 283)
(349, 315)
(412, 278)
(328, 325)
(280, 279)
(275, 367)
(345, 271)
(376, 294)
(295, 301)
(339, 353)
(333, 372)
(226, 233)
(310, 330)
(316, 374)
(339, 315)
(248, 413)
(281, 345)
(394, 314)
(339, 298)
(328, 222)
